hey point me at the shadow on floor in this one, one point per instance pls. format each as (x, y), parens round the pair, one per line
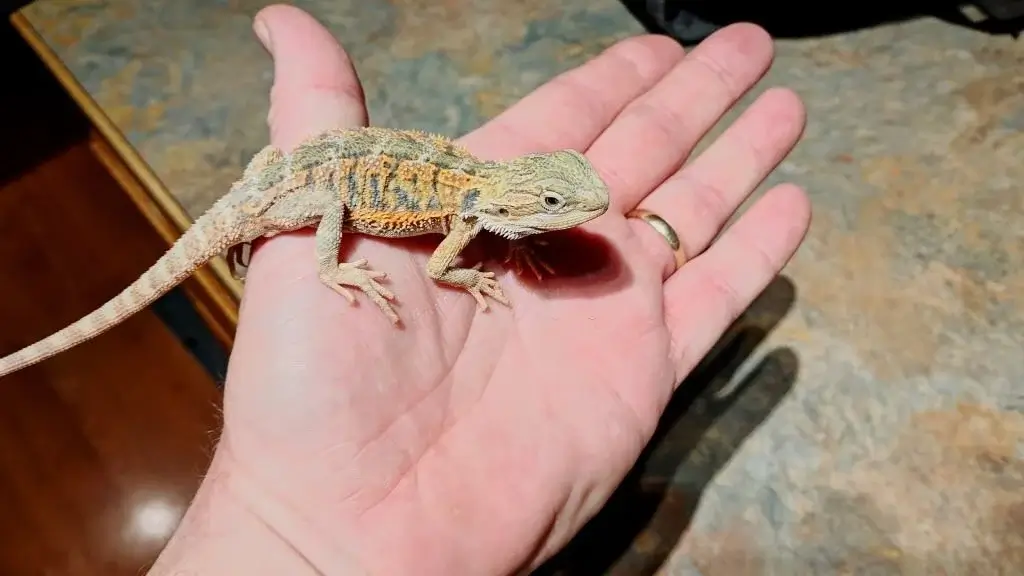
(690, 21)
(703, 426)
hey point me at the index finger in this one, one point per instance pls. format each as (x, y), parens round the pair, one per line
(571, 110)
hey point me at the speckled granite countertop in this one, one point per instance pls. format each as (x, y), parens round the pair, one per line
(878, 427)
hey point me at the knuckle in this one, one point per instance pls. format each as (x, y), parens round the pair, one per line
(643, 57)
(708, 203)
(761, 265)
(577, 93)
(719, 72)
(725, 292)
(658, 121)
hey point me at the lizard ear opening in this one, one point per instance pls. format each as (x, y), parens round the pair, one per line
(503, 212)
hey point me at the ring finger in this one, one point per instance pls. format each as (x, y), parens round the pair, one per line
(699, 199)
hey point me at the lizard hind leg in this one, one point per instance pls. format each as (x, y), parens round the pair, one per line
(265, 157)
(356, 274)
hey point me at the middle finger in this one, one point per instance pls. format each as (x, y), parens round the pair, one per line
(576, 106)
(655, 133)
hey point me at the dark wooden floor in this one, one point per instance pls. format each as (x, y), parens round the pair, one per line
(103, 446)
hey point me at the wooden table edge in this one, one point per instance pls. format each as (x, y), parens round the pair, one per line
(212, 289)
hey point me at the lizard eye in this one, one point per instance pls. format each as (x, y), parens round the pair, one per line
(552, 200)
(502, 211)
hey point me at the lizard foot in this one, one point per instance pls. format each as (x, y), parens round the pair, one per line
(358, 275)
(521, 252)
(485, 284)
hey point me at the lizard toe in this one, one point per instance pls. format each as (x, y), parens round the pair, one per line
(358, 275)
(333, 284)
(490, 287)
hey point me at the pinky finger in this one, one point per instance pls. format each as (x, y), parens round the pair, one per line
(708, 293)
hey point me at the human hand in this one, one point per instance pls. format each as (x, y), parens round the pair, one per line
(479, 443)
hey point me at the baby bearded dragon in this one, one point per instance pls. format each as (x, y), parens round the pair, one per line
(382, 182)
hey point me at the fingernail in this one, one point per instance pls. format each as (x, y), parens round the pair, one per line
(263, 33)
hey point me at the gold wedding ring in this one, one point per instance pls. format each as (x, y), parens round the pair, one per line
(662, 227)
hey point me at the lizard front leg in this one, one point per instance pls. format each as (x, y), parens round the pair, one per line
(472, 280)
(356, 274)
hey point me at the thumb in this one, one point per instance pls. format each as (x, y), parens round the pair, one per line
(315, 84)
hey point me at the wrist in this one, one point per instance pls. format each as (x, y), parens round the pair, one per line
(232, 528)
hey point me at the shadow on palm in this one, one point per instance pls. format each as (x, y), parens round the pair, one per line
(650, 511)
(584, 263)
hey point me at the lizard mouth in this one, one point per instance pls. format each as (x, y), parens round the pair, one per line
(510, 232)
(583, 215)
(517, 231)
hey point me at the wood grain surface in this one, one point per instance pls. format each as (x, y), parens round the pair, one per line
(103, 446)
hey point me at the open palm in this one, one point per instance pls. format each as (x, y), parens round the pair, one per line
(468, 442)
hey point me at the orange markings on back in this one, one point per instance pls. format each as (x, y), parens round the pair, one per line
(400, 191)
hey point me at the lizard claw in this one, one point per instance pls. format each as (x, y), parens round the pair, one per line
(343, 291)
(486, 284)
(358, 274)
(521, 254)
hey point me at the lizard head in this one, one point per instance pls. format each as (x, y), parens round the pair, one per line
(538, 193)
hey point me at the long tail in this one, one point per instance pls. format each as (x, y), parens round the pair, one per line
(193, 249)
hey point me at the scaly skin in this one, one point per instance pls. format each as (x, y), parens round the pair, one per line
(376, 181)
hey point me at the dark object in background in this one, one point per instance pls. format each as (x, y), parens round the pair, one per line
(690, 21)
(1003, 9)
